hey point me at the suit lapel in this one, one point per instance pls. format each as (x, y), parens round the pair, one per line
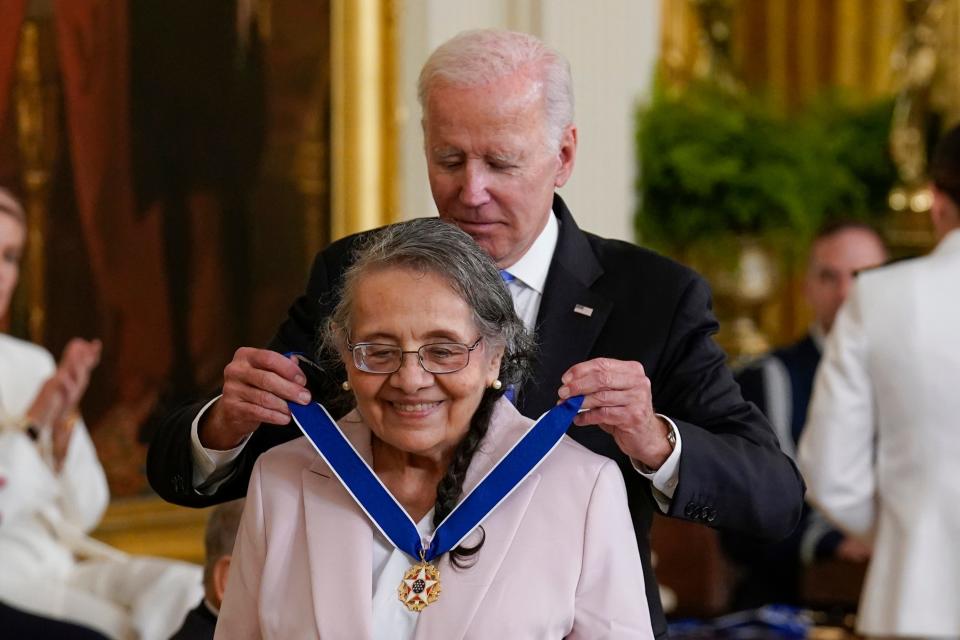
(571, 314)
(339, 549)
(464, 590)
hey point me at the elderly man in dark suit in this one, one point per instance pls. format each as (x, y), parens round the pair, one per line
(626, 328)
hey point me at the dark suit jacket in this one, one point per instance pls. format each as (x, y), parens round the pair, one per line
(21, 625)
(800, 360)
(199, 624)
(645, 308)
(771, 572)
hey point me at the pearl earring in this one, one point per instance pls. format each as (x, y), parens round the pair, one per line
(345, 385)
(497, 385)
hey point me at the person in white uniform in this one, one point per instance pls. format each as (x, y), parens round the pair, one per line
(880, 447)
(53, 491)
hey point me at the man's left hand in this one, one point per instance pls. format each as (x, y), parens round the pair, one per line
(617, 398)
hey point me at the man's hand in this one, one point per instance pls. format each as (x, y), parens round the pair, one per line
(257, 384)
(617, 399)
(853, 550)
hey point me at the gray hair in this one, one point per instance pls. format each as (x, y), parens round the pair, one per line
(479, 57)
(430, 245)
(11, 205)
(221, 533)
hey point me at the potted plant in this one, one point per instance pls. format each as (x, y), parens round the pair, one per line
(726, 178)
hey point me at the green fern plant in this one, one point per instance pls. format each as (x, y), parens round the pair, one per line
(714, 163)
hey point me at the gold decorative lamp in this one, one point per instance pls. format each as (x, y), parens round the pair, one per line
(916, 63)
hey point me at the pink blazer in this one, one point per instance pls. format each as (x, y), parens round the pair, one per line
(560, 558)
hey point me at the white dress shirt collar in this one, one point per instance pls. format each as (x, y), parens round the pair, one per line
(818, 335)
(533, 266)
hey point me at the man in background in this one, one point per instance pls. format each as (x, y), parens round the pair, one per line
(780, 384)
(882, 439)
(218, 545)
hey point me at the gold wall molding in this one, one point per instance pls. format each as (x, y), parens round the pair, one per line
(777, 48)
(848, 31)
(794, 48)
(364, 150)
(36, 98)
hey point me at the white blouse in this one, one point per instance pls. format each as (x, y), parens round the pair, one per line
(391, 618)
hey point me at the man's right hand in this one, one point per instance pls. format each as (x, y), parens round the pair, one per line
(853, 550)
(257, 384)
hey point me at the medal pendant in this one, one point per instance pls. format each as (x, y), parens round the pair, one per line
(420, 586)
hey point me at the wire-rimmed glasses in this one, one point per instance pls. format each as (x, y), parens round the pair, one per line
(436, 358)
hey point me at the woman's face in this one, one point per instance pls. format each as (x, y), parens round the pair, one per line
(12, 237)
(413, 410)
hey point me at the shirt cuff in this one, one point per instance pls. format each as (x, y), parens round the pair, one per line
(210, 466)
(664, 479)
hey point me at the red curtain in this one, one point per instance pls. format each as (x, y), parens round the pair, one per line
(11, 17)
(125, 246)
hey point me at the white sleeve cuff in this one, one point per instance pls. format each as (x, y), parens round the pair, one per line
(210, 463)
(664, 479)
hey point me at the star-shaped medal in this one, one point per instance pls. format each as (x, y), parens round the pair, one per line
(420, 586)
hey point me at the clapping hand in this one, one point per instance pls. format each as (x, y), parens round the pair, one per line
(56, 404)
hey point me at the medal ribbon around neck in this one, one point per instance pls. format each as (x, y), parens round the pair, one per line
(385, 512)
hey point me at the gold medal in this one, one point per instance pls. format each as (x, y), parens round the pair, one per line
(420, 586)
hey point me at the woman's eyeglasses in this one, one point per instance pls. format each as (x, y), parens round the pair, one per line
(436, 358)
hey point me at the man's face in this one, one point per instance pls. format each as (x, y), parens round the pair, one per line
(834, 261)
(492, 169)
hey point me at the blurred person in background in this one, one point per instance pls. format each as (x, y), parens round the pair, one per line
(53, 490)
(220, 535)
(780, 384)
(882, 439)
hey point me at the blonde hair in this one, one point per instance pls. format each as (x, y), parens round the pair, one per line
(10, 205)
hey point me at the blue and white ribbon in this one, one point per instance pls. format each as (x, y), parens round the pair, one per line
(386, 513)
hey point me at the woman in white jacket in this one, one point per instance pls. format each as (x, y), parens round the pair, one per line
(53, 491)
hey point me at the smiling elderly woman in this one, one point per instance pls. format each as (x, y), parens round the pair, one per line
(427, 333)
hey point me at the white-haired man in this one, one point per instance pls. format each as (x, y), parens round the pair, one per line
(882, 437)
(620, 325)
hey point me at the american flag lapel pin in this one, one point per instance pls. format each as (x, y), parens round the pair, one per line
(583, 310)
